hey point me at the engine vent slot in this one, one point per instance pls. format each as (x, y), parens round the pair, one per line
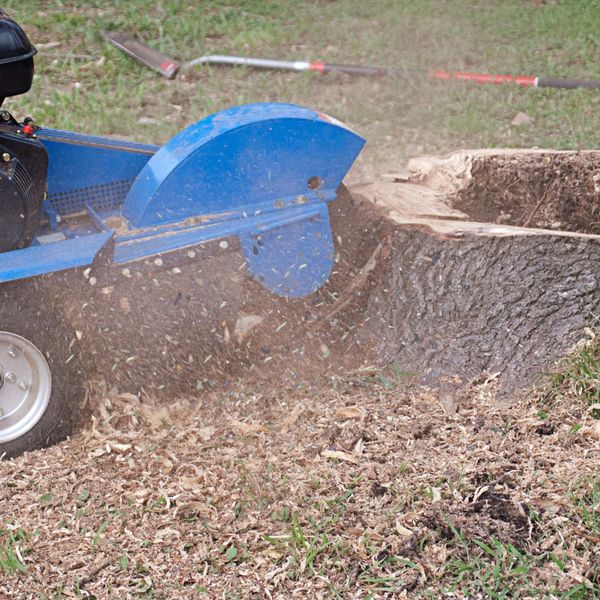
(106, 196)
(25, 184)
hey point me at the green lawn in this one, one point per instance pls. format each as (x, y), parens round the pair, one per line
(402, 115)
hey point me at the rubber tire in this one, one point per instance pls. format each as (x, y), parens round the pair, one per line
(57, 342)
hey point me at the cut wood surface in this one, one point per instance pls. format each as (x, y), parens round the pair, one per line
(460, 297)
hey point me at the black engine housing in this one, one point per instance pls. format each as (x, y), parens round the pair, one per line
(16, 58)
(23, 159)
(23, 175)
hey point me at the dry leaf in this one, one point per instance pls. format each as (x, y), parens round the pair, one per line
(242, 428)
(206, 433)
(97, 452)
(195, 484)
(522, 118)
(118, 447)
(125, 305)
(350, 412)
(292, 418)
(359, 447)
(404, 531)
(339, 455)
(192, 510)
(244, 325)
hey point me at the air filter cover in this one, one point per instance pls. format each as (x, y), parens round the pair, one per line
(16, 58)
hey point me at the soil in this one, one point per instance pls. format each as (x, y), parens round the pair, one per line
(280, 492)
(179, 324)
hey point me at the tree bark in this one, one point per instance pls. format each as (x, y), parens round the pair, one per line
(460, 298)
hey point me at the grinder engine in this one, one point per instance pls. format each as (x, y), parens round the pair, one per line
(23, 159)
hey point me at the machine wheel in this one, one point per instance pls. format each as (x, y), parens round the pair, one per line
(42, 381)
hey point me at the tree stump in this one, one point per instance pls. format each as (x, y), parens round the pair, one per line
(493, 263)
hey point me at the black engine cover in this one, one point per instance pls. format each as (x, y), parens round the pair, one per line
(23, 174)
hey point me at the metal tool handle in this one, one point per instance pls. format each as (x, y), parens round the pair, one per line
(296, 65)
(360, 70)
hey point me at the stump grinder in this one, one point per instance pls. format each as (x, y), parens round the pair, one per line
(257, 177)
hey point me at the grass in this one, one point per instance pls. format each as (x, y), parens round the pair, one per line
(10, 560)
(586, 501)
(312, 545)
(499, 570)
(578, 378)
(401, 115)
(295, 523)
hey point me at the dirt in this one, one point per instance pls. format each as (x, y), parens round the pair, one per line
(289, 491)
(558, 191)
(193, 320)
(302, 339)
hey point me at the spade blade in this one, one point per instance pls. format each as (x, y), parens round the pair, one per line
(162, 63)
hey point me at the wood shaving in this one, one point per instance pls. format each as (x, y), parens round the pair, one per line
(169, 500)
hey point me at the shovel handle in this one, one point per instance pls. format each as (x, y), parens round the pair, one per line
(348, 69)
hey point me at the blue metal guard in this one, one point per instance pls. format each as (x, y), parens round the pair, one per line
(261, 172)
(89, 169)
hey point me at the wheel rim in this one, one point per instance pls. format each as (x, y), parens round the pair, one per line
(25, 386)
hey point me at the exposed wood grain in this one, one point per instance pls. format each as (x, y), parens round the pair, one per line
(458, 297)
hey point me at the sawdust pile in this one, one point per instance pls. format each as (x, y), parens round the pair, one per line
(355, 485)
(552, 190)
(541, 189)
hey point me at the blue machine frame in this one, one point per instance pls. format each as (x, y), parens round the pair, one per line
(262, 172)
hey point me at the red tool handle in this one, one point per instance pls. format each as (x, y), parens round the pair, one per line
(485, 78)
(522, 80)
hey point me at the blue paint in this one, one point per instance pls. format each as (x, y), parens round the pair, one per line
(262, 172)
(85, 168)
(240, 157)
(292, 259)
(129, 248)
(58, 256)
